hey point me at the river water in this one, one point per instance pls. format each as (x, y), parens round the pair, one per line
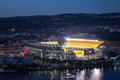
(77, 74)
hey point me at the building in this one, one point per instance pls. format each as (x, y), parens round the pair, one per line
(83, 47)
(46, 49)
(71, 49)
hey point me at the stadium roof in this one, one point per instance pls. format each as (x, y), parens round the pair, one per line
(50, 42)
(82, 43)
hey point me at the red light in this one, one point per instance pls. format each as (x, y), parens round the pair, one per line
(26, 51)
(90, 51)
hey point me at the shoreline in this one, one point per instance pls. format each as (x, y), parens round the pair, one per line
(67, 64)
(50, 69)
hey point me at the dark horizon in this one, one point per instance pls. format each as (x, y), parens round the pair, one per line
(60, 14)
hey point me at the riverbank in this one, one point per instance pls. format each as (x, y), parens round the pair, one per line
(51, 64)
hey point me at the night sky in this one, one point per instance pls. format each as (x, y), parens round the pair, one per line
(10, 8)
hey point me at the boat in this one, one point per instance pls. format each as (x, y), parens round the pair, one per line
(69, 76)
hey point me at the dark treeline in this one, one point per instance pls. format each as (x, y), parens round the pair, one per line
(65, 24)
(60, 21)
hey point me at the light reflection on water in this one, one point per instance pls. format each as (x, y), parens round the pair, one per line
(96, 74)
(87, 74)
(79, 74)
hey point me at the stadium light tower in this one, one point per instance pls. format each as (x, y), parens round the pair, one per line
(76, 39)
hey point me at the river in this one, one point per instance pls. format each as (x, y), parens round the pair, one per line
(77, 74)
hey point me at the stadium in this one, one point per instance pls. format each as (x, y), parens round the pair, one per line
(72, 48)
(82, 47)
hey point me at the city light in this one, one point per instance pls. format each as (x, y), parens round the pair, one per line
(75, 39)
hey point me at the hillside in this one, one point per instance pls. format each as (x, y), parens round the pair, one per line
(102, 26)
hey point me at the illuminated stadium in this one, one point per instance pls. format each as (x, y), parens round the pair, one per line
(81, 47)
(77, 47)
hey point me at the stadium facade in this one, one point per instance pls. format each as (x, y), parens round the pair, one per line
(83, 47)
(72, 48)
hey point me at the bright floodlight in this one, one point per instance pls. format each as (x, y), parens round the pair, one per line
(74, 39)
